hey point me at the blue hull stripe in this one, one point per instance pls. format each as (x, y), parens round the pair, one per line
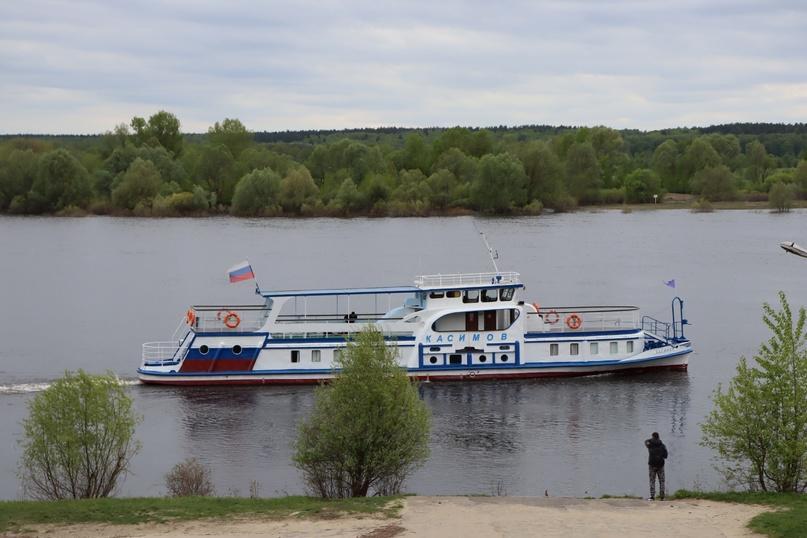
(580, 334)
(523, 366)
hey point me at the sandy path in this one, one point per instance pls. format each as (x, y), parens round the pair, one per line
(472, 517)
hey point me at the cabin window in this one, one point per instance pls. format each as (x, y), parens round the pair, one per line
(630, 346)
(453, 294)
(595, 348)
(504, 358)
(491, 320)
(455, 359)
(236, 349)
(316, 355)
(295, 355)
(574, 349)
(489, 296)
(436, 295)
(337, 354)
(553, 349)
(506, 294)
(470, 296)
(203, 349)
(614, 348)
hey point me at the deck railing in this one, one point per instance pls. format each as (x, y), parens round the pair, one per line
(466, 279)
(588, 318)
(229, 318)
(163, 353)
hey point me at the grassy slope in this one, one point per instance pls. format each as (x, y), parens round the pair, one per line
(789, 521)
(15, 515)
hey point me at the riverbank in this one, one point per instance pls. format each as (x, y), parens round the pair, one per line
(469, 517)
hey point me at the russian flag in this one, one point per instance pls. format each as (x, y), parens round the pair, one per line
(241, 272)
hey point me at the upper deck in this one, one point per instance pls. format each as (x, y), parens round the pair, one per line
(468, 280)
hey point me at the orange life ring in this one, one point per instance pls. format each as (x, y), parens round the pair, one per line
(190, 316)
(231, 320)
(574, 322)
(551, 317)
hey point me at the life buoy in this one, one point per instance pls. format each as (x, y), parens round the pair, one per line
(551, 317)
(537, 308)
(231, 320)
(574, 322)
(190, 316)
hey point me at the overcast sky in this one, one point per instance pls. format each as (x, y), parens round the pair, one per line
(83, 66)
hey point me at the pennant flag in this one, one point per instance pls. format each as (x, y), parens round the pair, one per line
(241, 272)
(670, 283)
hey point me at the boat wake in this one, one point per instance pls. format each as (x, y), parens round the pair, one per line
(25, 388)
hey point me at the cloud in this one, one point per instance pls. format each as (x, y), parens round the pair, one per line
(84, 66)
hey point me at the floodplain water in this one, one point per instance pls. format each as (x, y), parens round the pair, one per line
(85, 293)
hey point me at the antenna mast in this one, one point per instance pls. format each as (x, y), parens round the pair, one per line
(494, 254)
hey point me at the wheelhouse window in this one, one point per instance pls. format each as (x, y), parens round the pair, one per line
(316, 355)
(553, 349)
(574, 349)
(614, 348)
(506, 294)
(295, 355)
(490, 296)
(453, 294)
(595, 348)
(470, 296)
(436, 295)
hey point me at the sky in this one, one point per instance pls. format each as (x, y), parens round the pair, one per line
(83, 67)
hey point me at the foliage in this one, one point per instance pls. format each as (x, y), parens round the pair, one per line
(230, 133)
(16, 515)
(369, 430)
(641, 185)
(256, 194)
(702, 205)
(78, 438)
(583, 171)
(139, 185)
(161, 129)
(758, 425)
(60, 182)
(297, 190)
(189, 478)
(780, 197)
(501, 184)
(714, 183)
(788, 520)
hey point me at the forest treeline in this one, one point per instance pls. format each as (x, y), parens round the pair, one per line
(148, 167)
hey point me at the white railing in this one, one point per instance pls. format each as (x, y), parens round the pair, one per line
(466, 279)
(160, 353)
(586, 318)
(236, 319)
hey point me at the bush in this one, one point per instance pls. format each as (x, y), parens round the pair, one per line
(641, 185)
(61, 181)
(781, 196)
(189, 478)
(369, 430)
(256, 194)
(759, 424)
(702, 205)
(139, 185)
(78, 438)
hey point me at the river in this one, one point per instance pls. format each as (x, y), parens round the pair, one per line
(86, 292)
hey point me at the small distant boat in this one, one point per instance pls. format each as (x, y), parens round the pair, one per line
(793, 248)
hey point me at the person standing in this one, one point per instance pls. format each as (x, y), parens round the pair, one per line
(657, 453)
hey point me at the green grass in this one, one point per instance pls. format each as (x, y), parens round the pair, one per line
(15, 515)
(788, 521)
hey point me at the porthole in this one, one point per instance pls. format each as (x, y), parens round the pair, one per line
(203, 349)
(433, 359)
(504, 358)
(483, 358)
(236, 349)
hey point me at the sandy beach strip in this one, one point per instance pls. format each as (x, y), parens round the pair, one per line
(472, 517)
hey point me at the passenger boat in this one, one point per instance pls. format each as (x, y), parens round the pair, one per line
(444, 327)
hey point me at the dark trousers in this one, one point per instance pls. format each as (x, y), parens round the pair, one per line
(656, 472)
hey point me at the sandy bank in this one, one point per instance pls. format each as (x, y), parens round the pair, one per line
(471, 517)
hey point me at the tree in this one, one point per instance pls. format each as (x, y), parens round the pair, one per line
(256, 194)
(714, 183)
(780, 197)
(215, 170)
(161, 129)
(665, 164)
(139, 185)
(61, 182)
(641, 185)
(17, 174)
(800, 177)
(78, 438)
(699, 155)
(583, 173)
(757, 158)
(758, 425)
(368, 430)
(500, 185)
(297, 190)
(544, 172)
(230, 133)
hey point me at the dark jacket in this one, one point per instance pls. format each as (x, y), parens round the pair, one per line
(657, 452)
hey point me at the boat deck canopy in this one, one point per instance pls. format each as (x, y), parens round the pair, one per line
(339, 291)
